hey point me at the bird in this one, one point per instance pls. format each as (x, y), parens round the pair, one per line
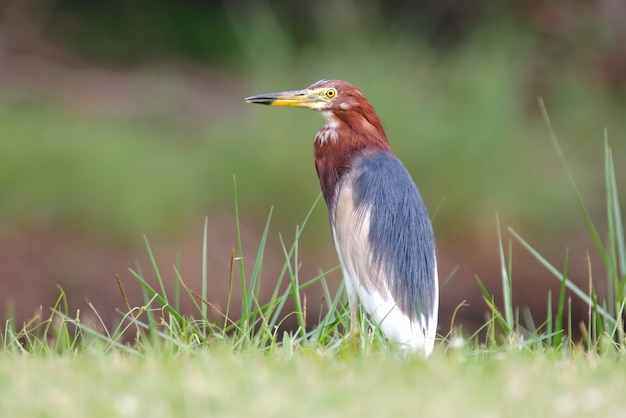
(379, 223)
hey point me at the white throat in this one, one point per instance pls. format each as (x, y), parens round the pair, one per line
(331, 119)
(329, 131)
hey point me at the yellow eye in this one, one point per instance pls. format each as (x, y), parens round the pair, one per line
(330, 93)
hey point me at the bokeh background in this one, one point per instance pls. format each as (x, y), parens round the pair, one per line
(121, 118)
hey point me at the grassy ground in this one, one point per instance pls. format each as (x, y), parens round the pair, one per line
(189, 367)
(216, 382)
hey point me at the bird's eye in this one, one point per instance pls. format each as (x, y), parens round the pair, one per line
(330, 93)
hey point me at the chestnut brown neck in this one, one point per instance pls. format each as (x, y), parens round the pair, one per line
(339, 142)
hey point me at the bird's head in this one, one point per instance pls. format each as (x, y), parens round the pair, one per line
(339, 102)
(351, 128)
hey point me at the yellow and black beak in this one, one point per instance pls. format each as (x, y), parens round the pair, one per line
(300, 98)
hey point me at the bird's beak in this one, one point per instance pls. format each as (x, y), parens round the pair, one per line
(300, 98)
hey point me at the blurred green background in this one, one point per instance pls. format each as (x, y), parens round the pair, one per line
(121, 118)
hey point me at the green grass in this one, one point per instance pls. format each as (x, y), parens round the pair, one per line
(158, 362)
(217, 382)
(605, 296)
(257, 324)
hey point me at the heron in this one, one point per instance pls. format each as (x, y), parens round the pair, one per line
(379, 223)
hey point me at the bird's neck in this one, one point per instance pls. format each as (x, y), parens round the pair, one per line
(337, 145)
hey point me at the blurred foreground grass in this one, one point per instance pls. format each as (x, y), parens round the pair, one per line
(218, 383)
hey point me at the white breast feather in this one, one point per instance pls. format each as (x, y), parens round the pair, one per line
(327, 134)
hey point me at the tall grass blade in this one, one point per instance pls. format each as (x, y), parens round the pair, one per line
(295, 286)
(155, 267)
(204, 278)
(505, 270)
(549, 320)
(244, 296)
(496, 314)
(568, 283)
(558, 326)
(255, 279)
(572, 182)
(616, 229)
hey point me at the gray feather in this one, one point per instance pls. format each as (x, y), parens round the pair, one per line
(400, 233)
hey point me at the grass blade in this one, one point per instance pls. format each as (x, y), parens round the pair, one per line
(558, 326)
(506, 280)
(568, 283)
(572, 182)
(204, 277)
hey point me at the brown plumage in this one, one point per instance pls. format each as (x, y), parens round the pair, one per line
(353, 119)
(379, 223)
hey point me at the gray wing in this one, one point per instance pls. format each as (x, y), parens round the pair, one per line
(384, 235)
